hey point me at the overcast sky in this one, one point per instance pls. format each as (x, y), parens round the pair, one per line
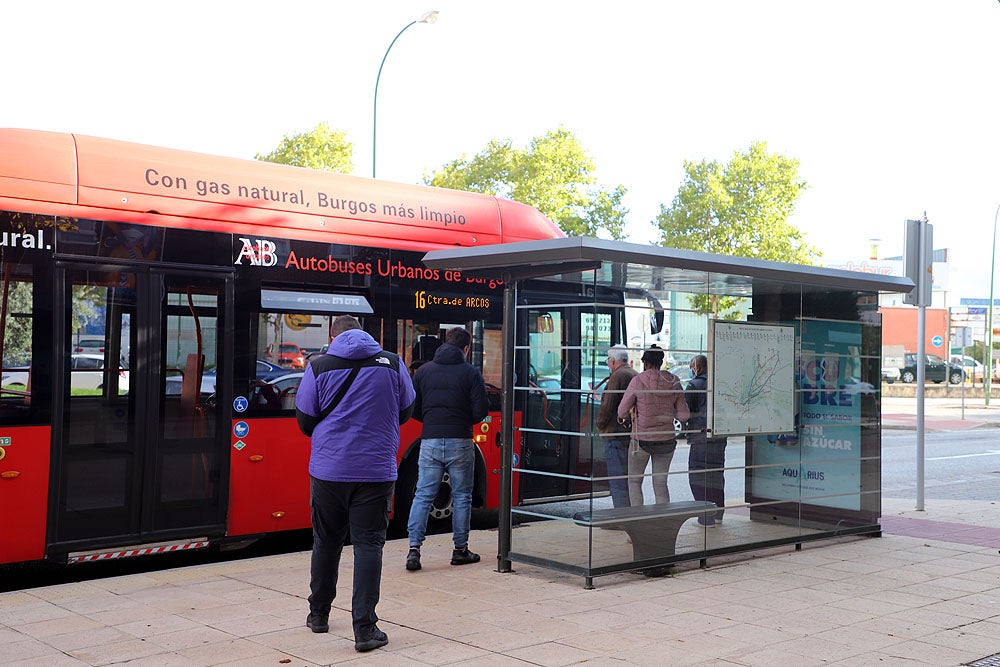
(891, 106)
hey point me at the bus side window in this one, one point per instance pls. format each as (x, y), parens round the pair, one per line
(424, 347)
(15, 340)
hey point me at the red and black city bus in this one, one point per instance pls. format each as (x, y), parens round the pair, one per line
(157, 310)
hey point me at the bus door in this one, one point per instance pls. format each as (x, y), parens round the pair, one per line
(566, 370)
(416, 342)
(140, 437)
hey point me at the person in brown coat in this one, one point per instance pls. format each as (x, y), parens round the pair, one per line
(616, 436)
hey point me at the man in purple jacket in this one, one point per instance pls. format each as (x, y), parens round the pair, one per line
(351, 402)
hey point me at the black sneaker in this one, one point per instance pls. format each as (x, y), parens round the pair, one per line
(413, 560)
(463, 557)
(318, 622)
(374, 640)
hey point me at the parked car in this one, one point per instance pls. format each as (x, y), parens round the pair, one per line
(278, 393)
(15, 378)
(551, 386)
(890, 374)
(266, 371)
(936, 369)
(174, 383)
(286, 355)
(90, 346)
(683, 373)
(87, 372)
(973, 369)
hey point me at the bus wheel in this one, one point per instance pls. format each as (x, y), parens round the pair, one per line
(439, 516)
(442, 506)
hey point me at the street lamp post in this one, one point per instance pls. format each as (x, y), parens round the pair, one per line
(988, 370)
(428, 17)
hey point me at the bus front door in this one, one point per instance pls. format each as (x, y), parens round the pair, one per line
(566, 364)
(140, 438)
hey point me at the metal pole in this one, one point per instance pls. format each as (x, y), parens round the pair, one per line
(375, 100)
(924, 286)
(428, 17)
(988, 370)
(507, 425)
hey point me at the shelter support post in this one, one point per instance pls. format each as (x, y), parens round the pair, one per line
(507, 419)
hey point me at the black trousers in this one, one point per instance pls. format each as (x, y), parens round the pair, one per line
(706, 474)
(362, 508)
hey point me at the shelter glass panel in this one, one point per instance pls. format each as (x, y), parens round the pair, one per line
(603, 489)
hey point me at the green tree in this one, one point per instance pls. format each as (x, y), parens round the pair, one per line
(740, 208)
(320, 148)
(554, 174)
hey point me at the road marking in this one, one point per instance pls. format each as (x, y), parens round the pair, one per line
(992, 452)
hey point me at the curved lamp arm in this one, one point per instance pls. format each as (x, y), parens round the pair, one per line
(427, 17)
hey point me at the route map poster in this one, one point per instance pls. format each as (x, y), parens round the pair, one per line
(753, 388)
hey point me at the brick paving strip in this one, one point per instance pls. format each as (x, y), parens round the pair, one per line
(945, 531)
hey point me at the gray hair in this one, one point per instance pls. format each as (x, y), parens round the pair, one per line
(618, 352)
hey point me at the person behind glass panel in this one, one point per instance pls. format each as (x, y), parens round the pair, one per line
(658, 398)
(706, 456)
(614, 434)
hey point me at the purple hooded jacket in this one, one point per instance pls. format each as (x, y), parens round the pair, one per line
(358, 441)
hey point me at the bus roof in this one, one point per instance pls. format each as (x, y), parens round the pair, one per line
(81, 176)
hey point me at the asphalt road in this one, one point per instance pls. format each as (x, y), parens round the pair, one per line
(958, 465)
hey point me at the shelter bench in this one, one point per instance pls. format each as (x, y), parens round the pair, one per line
(653, 528)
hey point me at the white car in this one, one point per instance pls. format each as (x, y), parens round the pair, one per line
(974, 370)
(87, 373)
(15, 378)
(890, 374)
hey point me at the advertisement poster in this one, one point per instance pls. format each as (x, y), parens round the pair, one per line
(822, 466)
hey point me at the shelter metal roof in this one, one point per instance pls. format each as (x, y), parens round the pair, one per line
(621, 264)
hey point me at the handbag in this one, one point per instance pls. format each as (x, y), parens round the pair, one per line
(633, 441)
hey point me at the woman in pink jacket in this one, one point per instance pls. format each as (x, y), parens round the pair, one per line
(658, 398)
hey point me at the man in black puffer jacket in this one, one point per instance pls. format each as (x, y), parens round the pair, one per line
(451, 399)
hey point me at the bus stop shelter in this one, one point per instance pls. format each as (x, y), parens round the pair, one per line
(793, 394)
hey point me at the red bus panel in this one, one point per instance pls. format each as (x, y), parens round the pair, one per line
(24, 486)
(269, 478)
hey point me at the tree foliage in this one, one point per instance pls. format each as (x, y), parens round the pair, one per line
(320, 148)
(740, 208)
(554, 174)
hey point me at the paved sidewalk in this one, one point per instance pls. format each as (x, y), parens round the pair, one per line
(940, 414)
(926, 593)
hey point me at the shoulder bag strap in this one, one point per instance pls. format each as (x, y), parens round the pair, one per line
(340, 393)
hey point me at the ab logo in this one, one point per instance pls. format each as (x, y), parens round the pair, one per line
(259, 252)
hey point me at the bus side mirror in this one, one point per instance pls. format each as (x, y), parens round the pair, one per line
(657, 316)
(544, 324)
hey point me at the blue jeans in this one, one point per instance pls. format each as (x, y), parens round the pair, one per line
(457, 458)
(616, 454)
(362, 508)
